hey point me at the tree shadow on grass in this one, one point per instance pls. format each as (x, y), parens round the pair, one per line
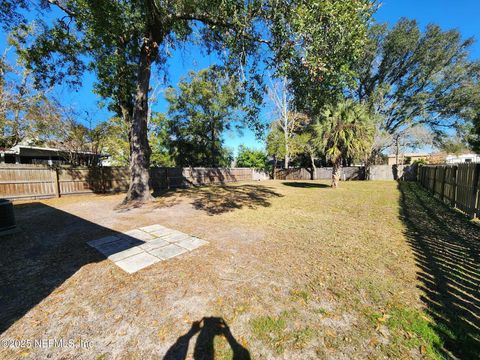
(208, 328)
(447, 250)
(48, 249)
(215, 200)
(299, 184)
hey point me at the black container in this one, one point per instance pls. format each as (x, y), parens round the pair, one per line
(7, 216)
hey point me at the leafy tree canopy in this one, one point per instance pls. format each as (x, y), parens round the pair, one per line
(474, 136)
(276, 143)
(116, 142)
(410, 77)
(345, 130)
(317, 44)
(207, 104)
(27, 114)
(251, 158)
(106, 36)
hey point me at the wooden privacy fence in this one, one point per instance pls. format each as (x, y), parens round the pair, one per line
(34, 181)
(323, 173)
(376, 172)
(456, 185)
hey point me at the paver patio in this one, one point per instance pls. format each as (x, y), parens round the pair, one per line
(136, 249)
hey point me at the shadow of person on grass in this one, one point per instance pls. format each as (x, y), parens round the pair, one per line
(207, 329)
(447, 251)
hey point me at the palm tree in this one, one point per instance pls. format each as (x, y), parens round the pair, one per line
(345, 130)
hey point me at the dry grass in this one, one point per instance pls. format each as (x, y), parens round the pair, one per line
(293, 270)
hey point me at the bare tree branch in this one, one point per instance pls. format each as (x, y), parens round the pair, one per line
(62, 7)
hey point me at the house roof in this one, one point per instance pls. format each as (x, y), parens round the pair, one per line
(409, 155)
(463, 154)
(22, 149)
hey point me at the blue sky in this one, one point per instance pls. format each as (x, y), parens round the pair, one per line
(458, 14)
(449, 14)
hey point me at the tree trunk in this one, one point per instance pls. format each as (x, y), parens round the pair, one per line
(127, 118)
(396, 168)
(286, 157)
(397, 150)
(336, 172)
(314, 169)
(369, 161)
(139, 189)
(274, 172)
(286, 134)
(212, 145)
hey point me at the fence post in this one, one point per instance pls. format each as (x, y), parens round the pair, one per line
(103, 181)
(56, 182)
(477, 207)
(442, 194)
(434, 180)
(476, 190)
(454, 201)
(167, 185)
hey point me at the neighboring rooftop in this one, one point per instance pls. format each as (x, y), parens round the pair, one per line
(409, 155)
(31, 154)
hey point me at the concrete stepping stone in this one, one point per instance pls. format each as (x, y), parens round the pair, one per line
(137, 262)
(113, 247)
(175, 237)
(136, 249)
(163, 232)
(154, 244)
(191, 243)
(126, 253)
(139, 235)
(168, 251)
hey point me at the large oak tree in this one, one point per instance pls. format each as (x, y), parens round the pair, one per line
(411, 78)
(120, 41)
(312, 42)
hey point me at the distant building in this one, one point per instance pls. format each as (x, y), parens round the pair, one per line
(462, 158)
(27, 154)
(406, 158)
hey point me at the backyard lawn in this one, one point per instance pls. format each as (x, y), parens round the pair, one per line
(292, 270)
